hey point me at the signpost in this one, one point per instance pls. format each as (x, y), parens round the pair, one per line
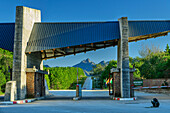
(138, 82)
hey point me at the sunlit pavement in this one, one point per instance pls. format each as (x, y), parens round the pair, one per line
(58, 104)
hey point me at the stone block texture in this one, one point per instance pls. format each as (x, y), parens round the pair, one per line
(30, 84)
(25, 19)
(35, 85)
(39, 85)
(123, 58)
(10, 91)
(155, 82)
(117, 85)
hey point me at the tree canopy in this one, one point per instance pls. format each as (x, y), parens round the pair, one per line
(6, 61)
(64, 77)
(153, 63)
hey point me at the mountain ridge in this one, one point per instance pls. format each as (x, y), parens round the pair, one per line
(88, 65)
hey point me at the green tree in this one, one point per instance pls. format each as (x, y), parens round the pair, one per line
(64, 77)
(105, 73)
(167, 50)
(2, 79)
(6, 61)
(47, 80)
(98, 69)
(154, 65)
(136, 63)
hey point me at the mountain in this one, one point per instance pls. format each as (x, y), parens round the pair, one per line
(46, 66)
(103, 63)
(86, 65)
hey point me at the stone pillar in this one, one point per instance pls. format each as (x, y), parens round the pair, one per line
(123, 58)
(25, 18)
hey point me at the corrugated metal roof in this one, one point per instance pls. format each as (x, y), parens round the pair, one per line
(57, 35)
(7, 35)
(137, 28)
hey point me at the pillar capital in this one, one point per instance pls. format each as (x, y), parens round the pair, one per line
(123, 18)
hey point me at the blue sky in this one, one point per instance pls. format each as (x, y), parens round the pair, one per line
(94, 10)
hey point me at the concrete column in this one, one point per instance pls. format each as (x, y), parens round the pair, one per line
(123, 58)
(25, 18)
(34, 59)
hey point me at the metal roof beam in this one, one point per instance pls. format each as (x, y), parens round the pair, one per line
(144, 37)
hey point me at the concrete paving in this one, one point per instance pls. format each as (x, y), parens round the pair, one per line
(60, 105)
(88, 84)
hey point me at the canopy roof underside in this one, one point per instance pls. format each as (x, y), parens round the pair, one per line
(66, 38)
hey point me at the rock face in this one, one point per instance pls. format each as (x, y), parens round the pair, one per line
(103, 63)
(86, 65)
(46, 66)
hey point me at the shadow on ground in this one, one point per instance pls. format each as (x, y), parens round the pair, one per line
(1, 98)
(83, 98)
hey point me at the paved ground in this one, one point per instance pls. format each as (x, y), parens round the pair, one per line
(88, 84)
(58, 104)
(85, 93)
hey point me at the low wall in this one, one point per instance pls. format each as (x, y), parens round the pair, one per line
(154, 82)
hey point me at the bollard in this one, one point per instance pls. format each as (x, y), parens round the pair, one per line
(77, 90)
(80, 91)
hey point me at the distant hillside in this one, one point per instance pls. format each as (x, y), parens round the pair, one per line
(46, 66)
(103, 63)
(85, 65)
(88, 65)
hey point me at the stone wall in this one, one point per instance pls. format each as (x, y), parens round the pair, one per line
(35, 84)
(116, 85)
(154, 82)
(39, 85)
(30, 84)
